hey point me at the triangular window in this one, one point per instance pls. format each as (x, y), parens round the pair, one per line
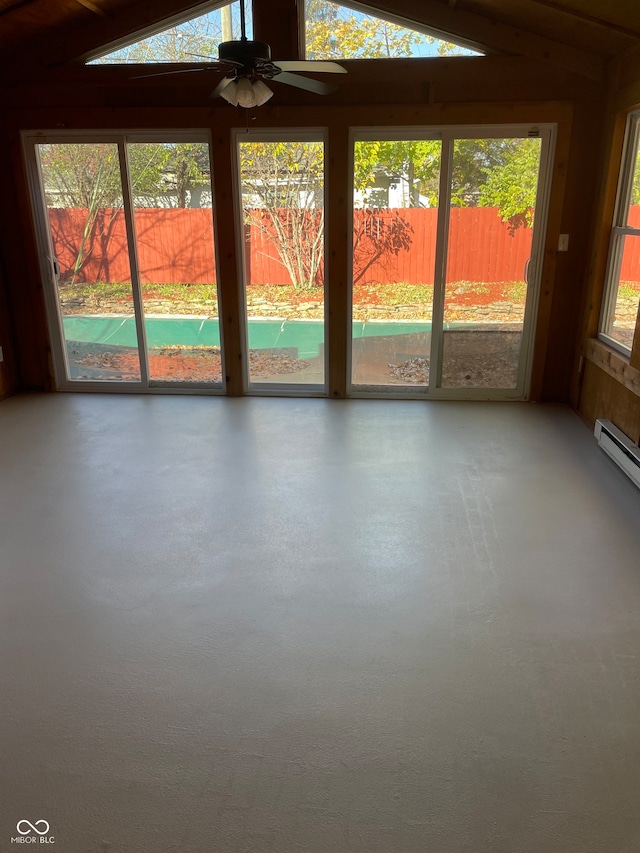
(334, 31)
(183, 41)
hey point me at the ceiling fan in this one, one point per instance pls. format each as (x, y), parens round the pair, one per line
(248, 63)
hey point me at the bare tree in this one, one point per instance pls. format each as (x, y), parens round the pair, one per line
(283, 195)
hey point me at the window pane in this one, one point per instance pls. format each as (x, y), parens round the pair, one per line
(83, 193)
(621, 320)
(490, 232)
(171, 193)
(632, 218)
(333, 31)
(186, 42)
(282, 186)
(394, 235)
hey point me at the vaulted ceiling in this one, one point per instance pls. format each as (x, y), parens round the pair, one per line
(579, 35)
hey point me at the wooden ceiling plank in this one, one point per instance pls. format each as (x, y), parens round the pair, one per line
(590, 19)
(7, 10)
(492, 34)
(58, 45)
(89, 36)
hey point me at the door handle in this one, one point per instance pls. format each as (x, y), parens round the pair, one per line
(525, 274)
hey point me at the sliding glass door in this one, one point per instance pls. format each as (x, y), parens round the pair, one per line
(82, 184)
(395, 219)
(446, 236)
(489, 251)
(281, 181)
(128, 242)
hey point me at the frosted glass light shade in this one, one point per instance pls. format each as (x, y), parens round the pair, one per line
(230, 93)
(244, 93)
(261, 93)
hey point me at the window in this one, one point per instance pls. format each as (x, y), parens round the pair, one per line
(622, 290)
(334, 31)
(182, 41)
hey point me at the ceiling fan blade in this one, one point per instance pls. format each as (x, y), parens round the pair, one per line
(304, 83)
(177, 71)
(310, 65)
(221, 85)
(218, 61)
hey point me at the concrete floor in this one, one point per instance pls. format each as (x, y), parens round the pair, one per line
(275, 625)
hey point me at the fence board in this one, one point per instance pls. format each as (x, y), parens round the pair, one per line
(177, 246)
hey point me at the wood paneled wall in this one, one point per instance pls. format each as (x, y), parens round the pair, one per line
(437, 92)
(605, 384)
(22, 312)
(8, 384)
(604, 396)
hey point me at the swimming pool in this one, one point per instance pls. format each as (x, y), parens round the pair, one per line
(306, 336)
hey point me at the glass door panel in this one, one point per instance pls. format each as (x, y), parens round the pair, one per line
(172, 202)
(395, 219)
(282, 186)
(83, 191)
(493, 204)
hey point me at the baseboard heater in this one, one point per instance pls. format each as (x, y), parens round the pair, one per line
(620, 448)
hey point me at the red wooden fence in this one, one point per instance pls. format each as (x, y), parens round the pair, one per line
(177, 246)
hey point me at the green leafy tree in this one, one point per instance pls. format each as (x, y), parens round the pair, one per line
(416, 161)
(511, 184)
(473, 160)
(635, 189)
(334, 31)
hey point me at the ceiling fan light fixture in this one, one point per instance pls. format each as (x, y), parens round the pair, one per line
(230, 93)
(261, 93)
(244, 93)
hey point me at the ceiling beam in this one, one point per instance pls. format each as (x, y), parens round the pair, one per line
(478, 29)
(93, 7)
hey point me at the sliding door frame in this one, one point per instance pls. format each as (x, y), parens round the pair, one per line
(547, 133)
(386, 134)
(286, 134)
(48, 263)
(332, 298)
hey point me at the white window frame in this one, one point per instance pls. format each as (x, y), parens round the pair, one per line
(619, 231)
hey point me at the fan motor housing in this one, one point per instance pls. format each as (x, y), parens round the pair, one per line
(244, 51)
